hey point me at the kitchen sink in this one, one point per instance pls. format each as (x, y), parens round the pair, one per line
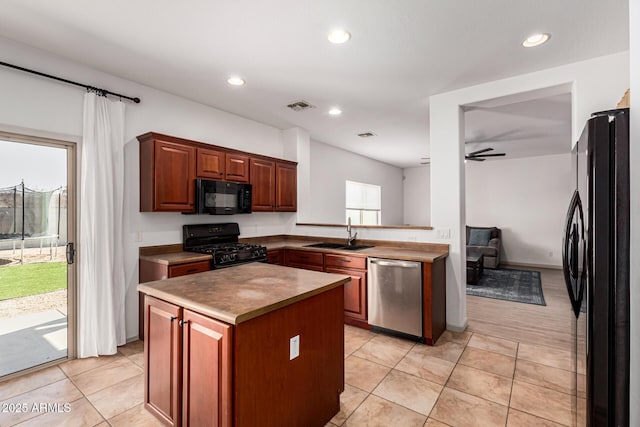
(355, 247)
(327, 245)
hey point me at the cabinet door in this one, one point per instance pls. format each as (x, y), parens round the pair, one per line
(286, 187)
(237, 168)
(174, 166)
(210, 164)
(263, 180)
(163, 354)
(355, 292)
(275, 256)
(206, 396)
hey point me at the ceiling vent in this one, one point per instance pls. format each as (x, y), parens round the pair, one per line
(301, 106)
(366, 134)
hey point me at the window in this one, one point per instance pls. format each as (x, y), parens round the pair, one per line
(363, 203)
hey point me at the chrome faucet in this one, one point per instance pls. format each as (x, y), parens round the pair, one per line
(350, 239)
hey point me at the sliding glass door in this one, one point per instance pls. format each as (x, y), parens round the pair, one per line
(37, 277)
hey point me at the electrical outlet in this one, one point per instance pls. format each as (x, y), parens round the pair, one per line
(550, 254)
(138, 236)
(294, 347)
(443, 233)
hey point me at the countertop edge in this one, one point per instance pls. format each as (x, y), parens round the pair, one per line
(231, 318)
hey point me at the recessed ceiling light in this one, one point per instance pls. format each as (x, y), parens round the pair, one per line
(235, 81)
(536, 40)
(339, 36)
(335, 111)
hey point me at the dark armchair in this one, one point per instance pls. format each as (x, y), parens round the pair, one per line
(491, 250)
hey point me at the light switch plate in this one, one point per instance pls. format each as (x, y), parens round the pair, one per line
(294, 347)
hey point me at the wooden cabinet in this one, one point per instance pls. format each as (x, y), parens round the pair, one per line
(206, 371)
(237, 168)
(200, 371)
(189, 268)
(188, 361)
(163, 364)
(274, 186)
(275, 256)
(210, 164)
(306, 260)
(434, 304)
(167, 174)
(150, 271)
(170, 165)
(355, 292)
(263, 181)
(286, 187)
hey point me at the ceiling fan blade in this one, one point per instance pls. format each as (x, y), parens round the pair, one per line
(475, 159)
(490, 155)
(484, 150)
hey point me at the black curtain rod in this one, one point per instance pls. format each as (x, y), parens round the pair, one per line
(102, 92)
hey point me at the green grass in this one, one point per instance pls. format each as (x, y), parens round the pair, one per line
(32, 279)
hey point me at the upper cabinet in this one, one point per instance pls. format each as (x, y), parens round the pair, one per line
(286, 187)
(274, 186)
(263, 182)
(210, 164)
(237, 168)
(167, 174)
(170, 165)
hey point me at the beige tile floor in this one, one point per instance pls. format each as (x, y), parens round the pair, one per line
(511, 368)
(466, 379)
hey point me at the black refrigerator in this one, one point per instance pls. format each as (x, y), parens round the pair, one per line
(596, 270)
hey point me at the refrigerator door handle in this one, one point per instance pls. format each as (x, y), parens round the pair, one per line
(570, 253)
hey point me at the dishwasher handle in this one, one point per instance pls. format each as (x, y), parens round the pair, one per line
(394, 263)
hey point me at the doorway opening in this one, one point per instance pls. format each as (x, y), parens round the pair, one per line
(37, 279)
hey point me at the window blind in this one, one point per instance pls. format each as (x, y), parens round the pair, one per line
(363, 196)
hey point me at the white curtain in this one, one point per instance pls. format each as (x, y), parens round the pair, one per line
(101, 321)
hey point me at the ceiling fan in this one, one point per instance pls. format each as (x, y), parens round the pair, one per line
(476, 156)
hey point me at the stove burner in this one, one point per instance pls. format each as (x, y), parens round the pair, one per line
(221, 242)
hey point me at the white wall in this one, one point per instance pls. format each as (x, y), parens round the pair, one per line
(416, 191)
(330, 167)
(44, 106)
(634, 29)
(527, 198)
(596, 85)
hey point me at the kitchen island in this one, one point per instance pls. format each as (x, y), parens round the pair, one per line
(254, 344)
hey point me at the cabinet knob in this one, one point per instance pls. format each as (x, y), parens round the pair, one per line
(183, 322)
(172, 318)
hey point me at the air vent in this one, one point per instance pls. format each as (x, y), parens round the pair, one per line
(366, 134)
(301, 106)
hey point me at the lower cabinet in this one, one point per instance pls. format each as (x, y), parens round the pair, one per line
(275, 256)
(150, 271)
(188, 360)
(355, 292)
(306, 260)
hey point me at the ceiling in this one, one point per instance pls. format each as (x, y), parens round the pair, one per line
(400, 53)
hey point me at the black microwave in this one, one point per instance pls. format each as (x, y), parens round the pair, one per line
(222, 198)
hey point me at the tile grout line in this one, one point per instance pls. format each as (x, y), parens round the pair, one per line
(513, 380)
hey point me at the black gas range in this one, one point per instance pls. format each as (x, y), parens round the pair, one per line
(221, 242)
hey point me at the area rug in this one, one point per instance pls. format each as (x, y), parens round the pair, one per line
(510, 285)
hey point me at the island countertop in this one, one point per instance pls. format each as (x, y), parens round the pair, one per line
(237, 294)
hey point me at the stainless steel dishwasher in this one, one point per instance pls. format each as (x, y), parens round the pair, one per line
(394, 291)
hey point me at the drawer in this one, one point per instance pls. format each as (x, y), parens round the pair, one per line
(190, 268)
(342, 261)
(303, 257)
